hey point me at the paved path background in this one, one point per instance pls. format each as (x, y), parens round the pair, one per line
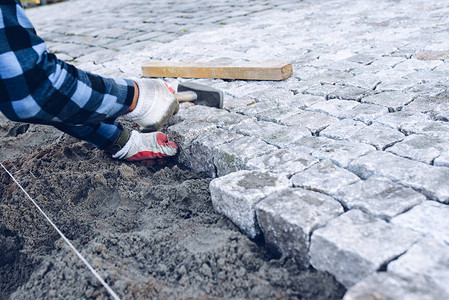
(345, 165)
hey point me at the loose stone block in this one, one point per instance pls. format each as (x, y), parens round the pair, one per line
(282, 161)
(236, 195)
(184, 133)
(420, 147)
(355, 245)
(383, 285)
(429, 218)
(379, 197)
(428, 259)
(203, 147)
(324, 177)
(272, 133)
(429, 180)
(393, 101)
(341, 153)
(288, 218)
(313, 121)
(378, 135)
(233, 156)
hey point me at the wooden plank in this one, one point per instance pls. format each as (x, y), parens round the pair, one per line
(223, 70)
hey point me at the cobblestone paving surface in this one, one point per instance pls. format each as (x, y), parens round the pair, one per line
(347, 162)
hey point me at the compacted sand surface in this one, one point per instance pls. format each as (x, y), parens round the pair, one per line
(150, 231)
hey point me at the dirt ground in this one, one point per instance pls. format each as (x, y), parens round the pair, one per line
(150, 231)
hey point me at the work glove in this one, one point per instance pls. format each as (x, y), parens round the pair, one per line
(146, 146)
(155, 105)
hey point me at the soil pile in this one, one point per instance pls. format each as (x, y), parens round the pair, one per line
(150, 231)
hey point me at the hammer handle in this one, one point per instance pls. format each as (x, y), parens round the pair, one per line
(187, 96)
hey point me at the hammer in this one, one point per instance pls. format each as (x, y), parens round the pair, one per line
(199, 94)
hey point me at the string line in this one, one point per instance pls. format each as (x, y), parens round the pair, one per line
(81, 257)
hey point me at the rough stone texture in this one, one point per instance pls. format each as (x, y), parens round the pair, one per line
(378, 135)
(184, 133)
(313, 121)
(342, 130)
(417, 263)
(203, 147)
(379, 197)
(420, 147)
(271, 133)
(289, 217)
(442, 160)
(355, 245)
(393, 101)
(341, 153)
(429, 218)
(384, 285)
(282, 161)
(234, 156)
(325, 177)
(236, 195)
(429, 180)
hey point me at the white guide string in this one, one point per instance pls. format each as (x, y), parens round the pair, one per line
(107, 287)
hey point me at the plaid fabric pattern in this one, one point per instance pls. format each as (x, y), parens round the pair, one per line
(36, 87)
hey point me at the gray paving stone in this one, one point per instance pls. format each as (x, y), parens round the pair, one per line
(203, 147)
(282, 161)
(342, 130)
(416, 262)
(288, 218)
(235, 155)
(334, 107)
(379, 197)
(272, 133)
(378, 135)
(433, 128)
(349, 93)
(313, 121)
(184, 133)
(385, 285)
(442, 160)
(339, 152)
(401, 119)
(355, 245)
(229, 120)
(420, 147)
(394, 101)
(237, 194)
(429, 180)
(234, 104)
(429, 218)
(324, 177)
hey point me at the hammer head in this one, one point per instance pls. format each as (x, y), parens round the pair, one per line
(206, 95)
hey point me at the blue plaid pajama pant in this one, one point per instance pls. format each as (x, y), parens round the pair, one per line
(36, 87)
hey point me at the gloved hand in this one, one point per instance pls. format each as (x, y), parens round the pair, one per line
(155, 105)
(144, 146)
